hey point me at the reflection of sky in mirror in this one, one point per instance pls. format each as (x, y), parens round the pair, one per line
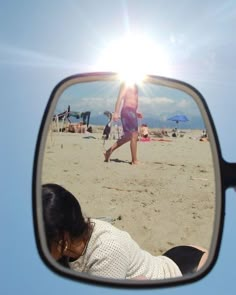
(94, 96)
(155, 101)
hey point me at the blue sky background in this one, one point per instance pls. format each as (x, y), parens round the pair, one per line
(42, 42)
(50, 40)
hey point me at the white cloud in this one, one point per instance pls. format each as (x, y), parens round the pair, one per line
(183, 103)
(95, 104)
(156, 101)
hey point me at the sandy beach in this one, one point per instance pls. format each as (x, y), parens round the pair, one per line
(166, 200)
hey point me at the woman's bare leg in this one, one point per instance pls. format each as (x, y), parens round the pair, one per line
(115, 146)
(133, 147)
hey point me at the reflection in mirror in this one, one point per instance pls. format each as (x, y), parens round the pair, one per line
(155, 199)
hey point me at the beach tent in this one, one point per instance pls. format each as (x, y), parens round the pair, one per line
(85, 116)
(65, 116)
(61, 117)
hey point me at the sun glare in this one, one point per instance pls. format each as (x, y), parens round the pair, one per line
(133, 57)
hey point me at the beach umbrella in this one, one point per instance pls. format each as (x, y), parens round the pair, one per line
(178, 118)
(75, 115)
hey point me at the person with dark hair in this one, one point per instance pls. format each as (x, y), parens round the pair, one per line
(65, 227)
(126, 108)
(98, 248)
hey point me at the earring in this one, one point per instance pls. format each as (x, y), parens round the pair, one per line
(63, 246)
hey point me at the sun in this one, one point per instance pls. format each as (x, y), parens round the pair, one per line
(133, 57)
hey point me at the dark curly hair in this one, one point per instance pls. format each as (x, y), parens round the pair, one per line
(61, 213)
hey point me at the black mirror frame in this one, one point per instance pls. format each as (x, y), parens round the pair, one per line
(225, 174)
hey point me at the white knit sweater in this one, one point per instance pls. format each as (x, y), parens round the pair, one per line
(112, 253)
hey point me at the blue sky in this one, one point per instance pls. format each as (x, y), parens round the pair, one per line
(42, 42)
(56, 39)
(74, 33)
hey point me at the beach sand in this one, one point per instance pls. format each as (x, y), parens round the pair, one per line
(166, 200)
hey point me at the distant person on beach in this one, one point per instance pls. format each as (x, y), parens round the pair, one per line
(204, 136)
(204, 133)
(144, 132)
(98, 248)
(126, 108)
(174, 132)
(77, 128)
(164, 132)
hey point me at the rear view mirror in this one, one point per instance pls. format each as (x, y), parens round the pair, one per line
(172, 197)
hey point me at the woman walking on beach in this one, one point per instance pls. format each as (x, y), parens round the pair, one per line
(127, 102)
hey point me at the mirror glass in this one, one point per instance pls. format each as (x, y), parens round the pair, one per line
(164, 199)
